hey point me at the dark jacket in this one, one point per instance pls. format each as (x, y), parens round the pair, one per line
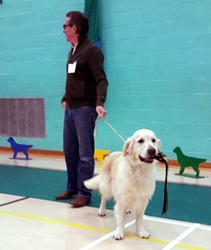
(87, 85)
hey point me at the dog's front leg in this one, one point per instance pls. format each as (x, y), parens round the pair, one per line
(142, 233)
(120, 220)
(15, 154)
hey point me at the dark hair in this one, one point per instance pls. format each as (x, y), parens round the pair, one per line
(80, 21)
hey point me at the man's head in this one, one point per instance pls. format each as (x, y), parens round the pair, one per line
(76, 26)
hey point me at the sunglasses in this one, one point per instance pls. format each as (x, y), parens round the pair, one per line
(67, 25)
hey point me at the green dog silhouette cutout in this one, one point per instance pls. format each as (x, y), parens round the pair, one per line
(187, 161)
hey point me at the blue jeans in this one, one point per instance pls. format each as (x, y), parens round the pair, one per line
(78, 139)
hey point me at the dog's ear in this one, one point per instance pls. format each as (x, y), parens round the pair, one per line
(158, 145)
(126, 146)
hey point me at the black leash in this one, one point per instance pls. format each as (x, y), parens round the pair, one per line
(161, 158)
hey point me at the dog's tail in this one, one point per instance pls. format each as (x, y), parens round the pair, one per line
(93, 183)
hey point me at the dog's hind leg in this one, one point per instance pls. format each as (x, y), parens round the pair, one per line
(26, 154)
(102, 208)
(120, 220)
(106, 194)
(196, 169)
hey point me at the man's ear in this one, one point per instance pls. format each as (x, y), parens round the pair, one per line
(126, 146)
(74, 27)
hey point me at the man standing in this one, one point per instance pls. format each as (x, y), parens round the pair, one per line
(85, 94)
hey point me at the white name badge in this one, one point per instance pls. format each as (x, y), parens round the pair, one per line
(72, 67)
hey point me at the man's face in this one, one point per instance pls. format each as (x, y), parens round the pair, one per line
(69, 30)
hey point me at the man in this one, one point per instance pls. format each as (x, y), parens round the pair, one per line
(85, 94)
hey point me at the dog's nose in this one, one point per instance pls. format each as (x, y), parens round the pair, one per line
(151, 151)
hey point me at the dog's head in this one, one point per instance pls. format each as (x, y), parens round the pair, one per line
(177, 150)
(142, 146)
(10, 139)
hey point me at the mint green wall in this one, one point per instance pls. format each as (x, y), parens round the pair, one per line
(157, 59)
(33, 52)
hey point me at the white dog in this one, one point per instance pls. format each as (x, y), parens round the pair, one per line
(129, 177)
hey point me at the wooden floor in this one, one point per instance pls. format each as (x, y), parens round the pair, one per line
(34, 224)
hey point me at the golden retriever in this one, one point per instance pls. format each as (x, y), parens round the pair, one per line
(129, 177)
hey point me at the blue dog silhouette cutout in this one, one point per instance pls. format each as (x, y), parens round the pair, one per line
(16, 148)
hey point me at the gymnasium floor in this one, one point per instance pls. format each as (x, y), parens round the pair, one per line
(28, 223)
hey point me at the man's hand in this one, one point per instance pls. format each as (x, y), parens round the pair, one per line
(101, 111)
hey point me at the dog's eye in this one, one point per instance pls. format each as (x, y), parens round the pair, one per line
(153, 140)
(141, 141)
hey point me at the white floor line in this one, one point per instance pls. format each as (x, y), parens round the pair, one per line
(204, 227)
(168, 221)
(191, 227)
(107, 236)
(181, 236)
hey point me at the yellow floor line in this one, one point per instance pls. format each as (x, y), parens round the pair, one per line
(164, 242)
(53, 221)
(90, 228)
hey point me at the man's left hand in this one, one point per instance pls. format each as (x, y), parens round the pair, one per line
(101, 111)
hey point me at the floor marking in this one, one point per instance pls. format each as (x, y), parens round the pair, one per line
(108, 233)
(168, 221)
(181, 237)
(205, 228)
(171, 221)
(14, 201)
(105, 237)
(53, 221)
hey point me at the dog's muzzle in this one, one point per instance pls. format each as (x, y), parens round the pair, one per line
(151, 152)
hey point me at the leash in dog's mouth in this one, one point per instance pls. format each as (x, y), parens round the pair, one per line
(161, 158)
(148, 160)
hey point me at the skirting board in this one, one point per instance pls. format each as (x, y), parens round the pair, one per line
(100, 153)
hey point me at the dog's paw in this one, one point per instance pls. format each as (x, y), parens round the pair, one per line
(101, 213)
(118, 236)
(143, 234)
